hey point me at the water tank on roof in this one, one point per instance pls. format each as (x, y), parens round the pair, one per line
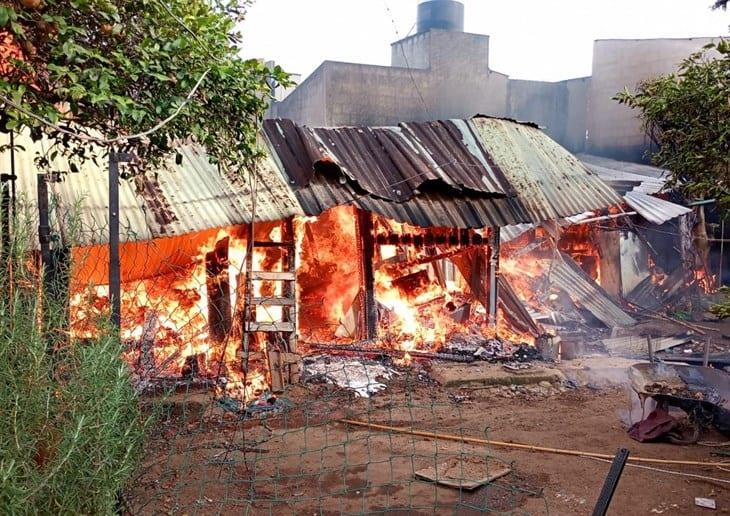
(440, 14)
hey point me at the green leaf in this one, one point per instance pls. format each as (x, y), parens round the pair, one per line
(16, 28)
(5, 15)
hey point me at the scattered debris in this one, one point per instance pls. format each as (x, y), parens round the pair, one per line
(639, 345)
(460, 398)
(516, 367)
(265, 404)
(706, 503)
(490, 350)
(362, 376)
(467, 473)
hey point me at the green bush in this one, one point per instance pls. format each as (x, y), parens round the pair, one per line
(71, 431)
(722, 310)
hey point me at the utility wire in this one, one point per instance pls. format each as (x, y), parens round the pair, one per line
(405, 59)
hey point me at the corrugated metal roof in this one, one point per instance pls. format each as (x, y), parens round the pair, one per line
(458, 173)
(391, 163)
(626, 177)
(653, 209)
(569, 277)
(509, 233)
(176, 200)
(432, 208)
(438, 173)
(551, 183)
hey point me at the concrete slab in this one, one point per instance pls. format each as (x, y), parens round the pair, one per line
(485, 374)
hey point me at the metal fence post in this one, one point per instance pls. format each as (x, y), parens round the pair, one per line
(115, 274)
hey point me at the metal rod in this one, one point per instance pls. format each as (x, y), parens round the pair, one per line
(5, 215)
(612, 480)
(722, 253)
(13, 177)
(115, 277)
(44, 230)
(650, 345)
(494, 248)
(706, 357)
(249, 311)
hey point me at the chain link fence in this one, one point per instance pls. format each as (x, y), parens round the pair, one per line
(352, 436)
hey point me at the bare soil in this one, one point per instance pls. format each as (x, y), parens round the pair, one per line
(203, 461)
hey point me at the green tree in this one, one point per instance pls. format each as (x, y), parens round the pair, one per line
(687, 115)
(115, 68)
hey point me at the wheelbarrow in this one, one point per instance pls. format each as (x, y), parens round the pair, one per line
(702, 392)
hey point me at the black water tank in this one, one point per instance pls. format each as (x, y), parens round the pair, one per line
(440, 14)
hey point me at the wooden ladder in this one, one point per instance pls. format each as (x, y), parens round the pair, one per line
(281, 350)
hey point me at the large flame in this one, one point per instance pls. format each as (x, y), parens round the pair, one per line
(423, 300)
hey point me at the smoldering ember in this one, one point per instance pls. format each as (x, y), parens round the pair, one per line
(471, 314)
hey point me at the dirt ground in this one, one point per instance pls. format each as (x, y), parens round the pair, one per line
(304, 461)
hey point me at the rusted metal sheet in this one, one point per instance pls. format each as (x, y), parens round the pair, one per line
(391, 163)
(173, 200)
(551, 183)
(458, 173)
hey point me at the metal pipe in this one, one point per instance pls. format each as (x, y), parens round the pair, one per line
(701, 203)
(607, 217)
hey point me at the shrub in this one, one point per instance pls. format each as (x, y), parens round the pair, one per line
(71, 431)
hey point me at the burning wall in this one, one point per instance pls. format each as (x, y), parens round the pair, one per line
(170, 317)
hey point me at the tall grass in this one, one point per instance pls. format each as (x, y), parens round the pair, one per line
(71, 431)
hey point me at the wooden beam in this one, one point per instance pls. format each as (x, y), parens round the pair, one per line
(273, 276)
(270, 327)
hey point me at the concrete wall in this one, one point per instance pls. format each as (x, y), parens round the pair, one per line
(412, 52)
(558, 107)
(447, 76)
(614, 130)
(375, 95)
(444, 74)
(576, 125)
(307, 104)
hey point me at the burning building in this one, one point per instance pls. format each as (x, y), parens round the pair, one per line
(408, 238)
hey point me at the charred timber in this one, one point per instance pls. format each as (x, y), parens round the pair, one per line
(459, 238)
(398, 353)
(429, 259)
(365, 228)
(219, 291)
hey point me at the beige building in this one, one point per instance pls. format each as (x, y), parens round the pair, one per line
(442, 72)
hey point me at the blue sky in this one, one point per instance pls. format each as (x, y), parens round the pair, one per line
(531, 39)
